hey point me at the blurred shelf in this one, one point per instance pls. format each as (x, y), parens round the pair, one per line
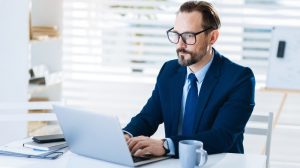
(34, 89)
(45, 39)
(51, 80)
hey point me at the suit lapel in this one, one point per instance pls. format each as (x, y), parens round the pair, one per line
(209, 83)
(177, 82)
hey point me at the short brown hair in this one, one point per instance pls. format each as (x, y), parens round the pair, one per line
(210, 16)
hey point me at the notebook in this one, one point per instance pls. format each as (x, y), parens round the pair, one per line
(17, 149)
(97, 136)
(45, 146)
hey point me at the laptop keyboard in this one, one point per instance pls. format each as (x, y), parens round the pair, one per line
(139, 159)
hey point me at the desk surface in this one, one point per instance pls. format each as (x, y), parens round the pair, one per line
(70, 160)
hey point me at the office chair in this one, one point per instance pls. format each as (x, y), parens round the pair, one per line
(261, 125)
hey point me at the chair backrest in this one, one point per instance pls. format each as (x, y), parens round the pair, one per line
(261, 125)
(14, 118)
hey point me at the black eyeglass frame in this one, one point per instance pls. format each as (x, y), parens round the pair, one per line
(180, 35)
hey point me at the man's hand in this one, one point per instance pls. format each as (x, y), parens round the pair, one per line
(143, 146)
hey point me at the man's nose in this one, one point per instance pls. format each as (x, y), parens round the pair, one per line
(180, 43)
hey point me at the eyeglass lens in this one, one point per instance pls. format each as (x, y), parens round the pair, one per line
(187, 38)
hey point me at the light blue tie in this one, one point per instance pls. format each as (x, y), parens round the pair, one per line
(190, 106)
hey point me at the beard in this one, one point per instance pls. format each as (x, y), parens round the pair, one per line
(187, 58)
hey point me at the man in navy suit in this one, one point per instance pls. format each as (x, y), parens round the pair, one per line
(202, 95)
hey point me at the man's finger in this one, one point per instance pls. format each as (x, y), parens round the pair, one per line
(135, 138)
(132, 141)
(143, 152)
(138, 153)
(140, 145)
(127, 137)
(146, 151)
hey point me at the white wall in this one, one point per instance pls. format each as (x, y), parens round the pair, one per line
(14, 38)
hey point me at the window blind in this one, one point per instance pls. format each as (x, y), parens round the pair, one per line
(113, 49)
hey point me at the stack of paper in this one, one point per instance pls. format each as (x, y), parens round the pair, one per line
(16, 148)
(46, 146)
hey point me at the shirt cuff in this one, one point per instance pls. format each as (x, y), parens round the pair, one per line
(126, 132)
(171, 147)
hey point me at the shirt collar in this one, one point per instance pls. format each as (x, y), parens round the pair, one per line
(200, 74)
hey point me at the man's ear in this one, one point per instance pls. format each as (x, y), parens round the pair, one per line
(214, 36)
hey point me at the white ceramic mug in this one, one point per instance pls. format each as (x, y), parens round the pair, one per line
(192, 154)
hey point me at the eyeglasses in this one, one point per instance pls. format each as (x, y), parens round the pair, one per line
(188, 38)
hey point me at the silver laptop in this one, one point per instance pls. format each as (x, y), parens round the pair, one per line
(97, 136)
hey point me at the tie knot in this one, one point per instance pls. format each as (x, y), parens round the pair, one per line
(192, 78)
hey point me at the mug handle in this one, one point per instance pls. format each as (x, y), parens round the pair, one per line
(201, 153)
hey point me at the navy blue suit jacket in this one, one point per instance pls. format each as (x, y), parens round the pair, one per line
(225, 103)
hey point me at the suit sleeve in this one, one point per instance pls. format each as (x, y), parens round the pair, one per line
(231, 117)
(147, 121)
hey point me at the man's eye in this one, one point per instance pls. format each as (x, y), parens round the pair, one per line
(188, 35)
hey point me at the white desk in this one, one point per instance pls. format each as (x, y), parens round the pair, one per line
(70, 160)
